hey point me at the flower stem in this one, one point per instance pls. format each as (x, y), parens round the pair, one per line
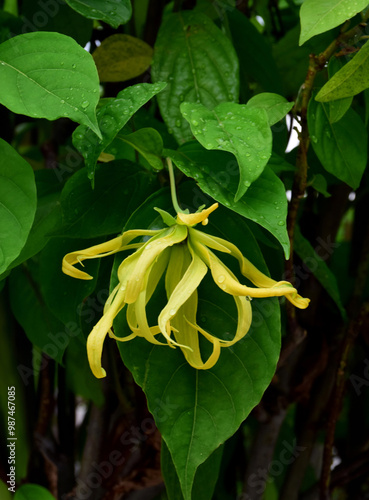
(173, 187)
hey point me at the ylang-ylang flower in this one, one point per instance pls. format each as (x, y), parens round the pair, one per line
(184, 254)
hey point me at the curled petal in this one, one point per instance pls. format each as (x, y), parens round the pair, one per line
(192, 219)
(227, 281)
(102, 250)
(263, 282)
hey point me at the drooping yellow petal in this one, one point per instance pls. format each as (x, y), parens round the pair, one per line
(102, 250)
(150, 251)
(95, 340)
(184, 322)
(193, 219)
(183, 290)
(263, 282)
(188, 333)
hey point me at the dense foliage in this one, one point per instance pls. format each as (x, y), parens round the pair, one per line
(262, 107)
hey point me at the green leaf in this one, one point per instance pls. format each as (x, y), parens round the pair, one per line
(338, 107)
(122, 57)
(351, 79)
(32, 492)
(112, 116)
(205, 478)
(197, 410)
(318, 16)
(47, 219)
(113, 12)
(17, 203)
(48, 75)
(275, 105)
(198, 62)
(236, 128)
(41, 326)
(147, 141)
(216, 173)
(257, 63)
(342, 146)
(121, 186)
(319, 268)
(56, 287)
(319, 183)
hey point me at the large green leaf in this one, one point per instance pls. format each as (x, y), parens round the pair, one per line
(239, 129)
(112, 116)
(121, 186)
(256, 63)
(351, 79)
(17, 203)
(216, 173)
(197, 410)
(319, 268)
(113, 12)
(318, 16)
(198, 62)
(342, 146)
(48, 75)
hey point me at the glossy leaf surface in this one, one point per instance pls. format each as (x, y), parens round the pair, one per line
(239, 129)
(48, 75)
(198, 62)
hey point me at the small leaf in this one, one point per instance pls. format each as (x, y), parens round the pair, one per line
(275, 105)
(351, 79)
(199, 63)
(318, 16)
(216, 173)
(341, 147)
(48, 75)
(122, 57)
(236, 128)
(112, 116)
(113, 12)
(17, 203)
(319, 183)
(32, 492)
(319, 268)
(86, 212)
(147, 141)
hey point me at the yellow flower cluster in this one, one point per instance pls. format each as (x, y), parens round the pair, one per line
(184, 254)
